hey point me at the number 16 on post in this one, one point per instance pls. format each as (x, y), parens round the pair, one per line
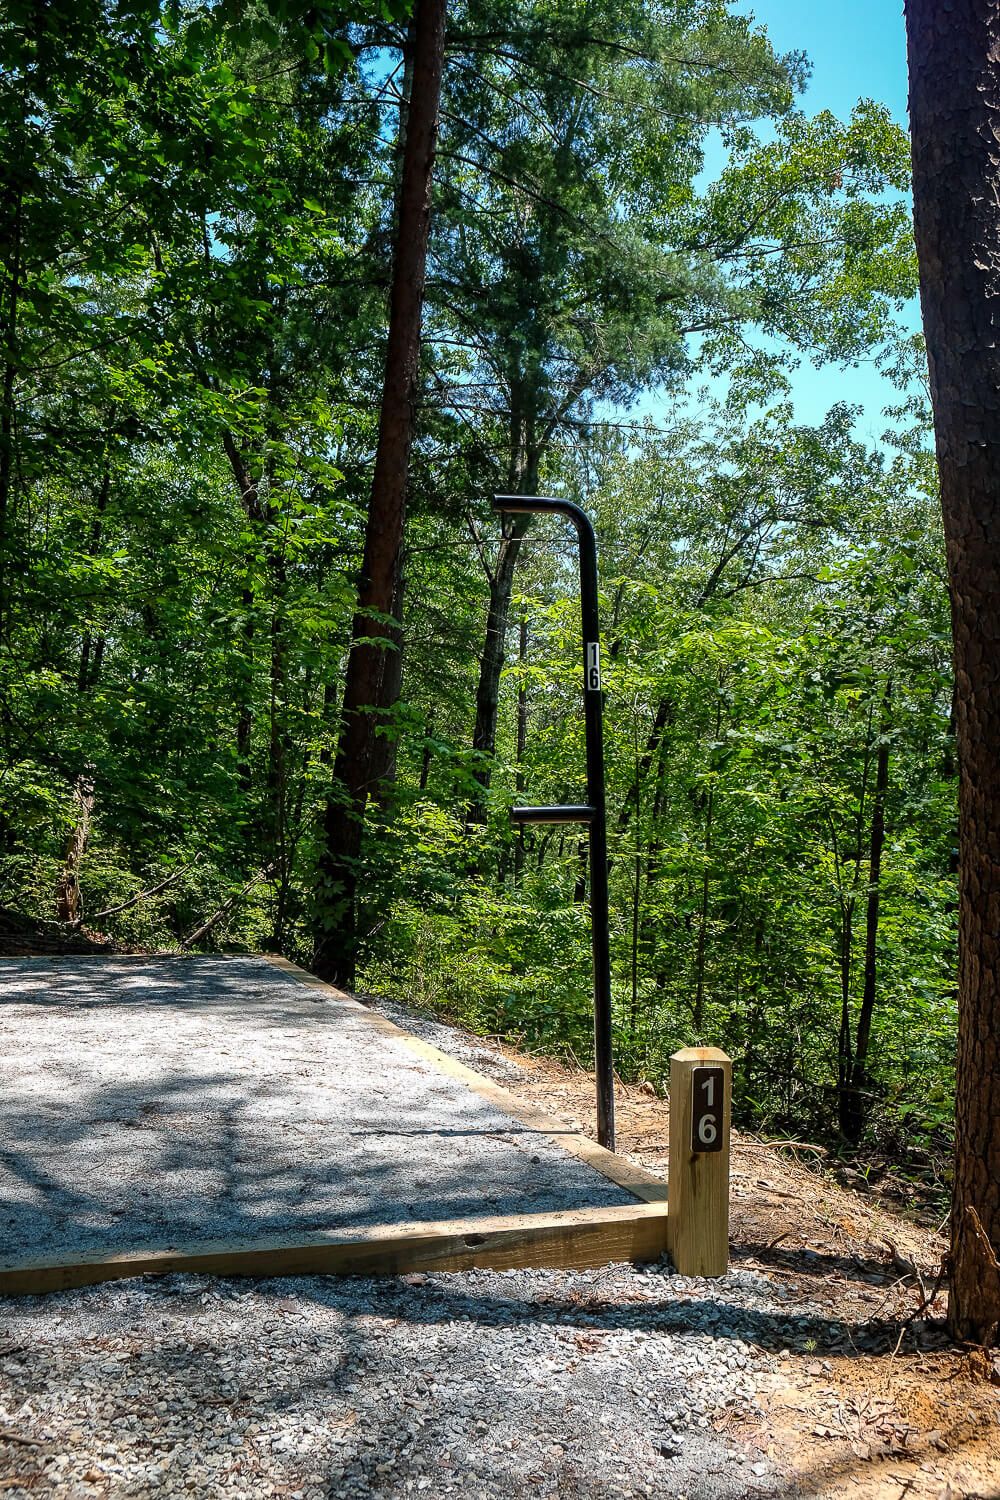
(707, 1108)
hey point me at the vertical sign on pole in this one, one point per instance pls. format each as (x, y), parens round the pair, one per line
(594, 814)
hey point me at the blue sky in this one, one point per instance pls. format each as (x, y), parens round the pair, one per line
(857, 49)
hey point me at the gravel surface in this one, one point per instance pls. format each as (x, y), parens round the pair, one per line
(461, 1045)
(148, 1102)
(487, 1385)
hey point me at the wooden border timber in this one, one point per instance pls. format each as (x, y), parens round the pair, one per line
(577, 1239)
(574, 1239)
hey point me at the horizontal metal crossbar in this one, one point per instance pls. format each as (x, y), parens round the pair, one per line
(552, 814)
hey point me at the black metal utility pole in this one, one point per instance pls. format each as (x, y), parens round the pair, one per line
(594, 815)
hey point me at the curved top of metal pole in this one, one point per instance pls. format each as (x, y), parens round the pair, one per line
(527, 505)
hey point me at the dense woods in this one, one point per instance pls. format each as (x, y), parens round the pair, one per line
(238, 711)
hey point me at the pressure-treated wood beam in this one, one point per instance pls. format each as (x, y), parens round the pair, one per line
(576, 1239)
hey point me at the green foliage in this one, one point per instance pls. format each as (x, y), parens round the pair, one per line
(195, 227)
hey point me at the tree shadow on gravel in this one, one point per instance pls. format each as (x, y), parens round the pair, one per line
(676, 1313)
(396, 1375)
(168, 1103)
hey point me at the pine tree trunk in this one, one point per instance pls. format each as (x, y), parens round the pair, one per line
(523, 460)
(9, 299)
(955, 113)
(386, 747)
(87, 674)
(522, 740)
(369, 676)
(249, 491)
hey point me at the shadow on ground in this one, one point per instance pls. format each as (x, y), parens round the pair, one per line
(157, 1103)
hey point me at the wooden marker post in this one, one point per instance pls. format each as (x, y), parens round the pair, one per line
(701, 1080)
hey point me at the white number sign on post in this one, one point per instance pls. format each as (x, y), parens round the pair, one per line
(707, 1099)
(593, 667)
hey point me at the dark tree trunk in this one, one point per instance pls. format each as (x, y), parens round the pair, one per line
(654, 739)
(954, 58)
(582, 863)
(484, 736)
(9, 297)
(522, 740)
(425, 760)
(278, 746)
(854, 1102)
(87, 675)
(250, 497)
(523, 460)
(386, 746)
(845, 1037)
(698, 1009)
(369, 674)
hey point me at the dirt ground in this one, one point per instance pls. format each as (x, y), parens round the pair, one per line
(871, 1402)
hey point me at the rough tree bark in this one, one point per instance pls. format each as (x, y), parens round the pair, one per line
(524, 459)
(954, 60)
(91, 652)
(9, 298)
(69, 902)
(249, 491)
(369, 674)
(522, 740)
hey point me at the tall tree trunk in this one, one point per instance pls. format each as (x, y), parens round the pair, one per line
(484, 735)
(368, 682)
(87, 675)
(630, 804)
(954, 57)
(853, 1102)
(523, 460)
(9, 304)
(277, 763)
(698, 1010)
(386, 747)
(249, 490)
(582, 869)
(845, 1036)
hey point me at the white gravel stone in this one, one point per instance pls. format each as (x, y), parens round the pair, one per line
(484, 1385)
(153, 1102)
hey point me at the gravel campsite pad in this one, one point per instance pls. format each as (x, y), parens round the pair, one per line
(489, 1385)
(147, 1099)
(152, 1102)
